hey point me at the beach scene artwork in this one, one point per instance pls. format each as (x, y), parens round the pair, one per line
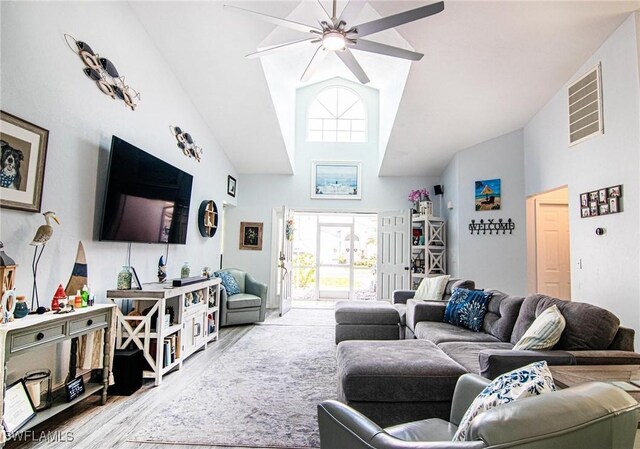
(336, 180)
(488, 195)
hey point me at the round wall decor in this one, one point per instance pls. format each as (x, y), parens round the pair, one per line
(208, 218)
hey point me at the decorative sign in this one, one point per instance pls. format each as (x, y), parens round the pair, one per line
(601, 202)
(186, 143)
(18, 408)
(74, 388)
(491, 226)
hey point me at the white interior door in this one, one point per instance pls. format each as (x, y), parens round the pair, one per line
(285, 259)
(552, 249)
(394, 252)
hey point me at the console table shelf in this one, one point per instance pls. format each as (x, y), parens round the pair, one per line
(35, 332)
(192, 309)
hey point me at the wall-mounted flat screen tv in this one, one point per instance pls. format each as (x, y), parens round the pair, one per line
(146, 199)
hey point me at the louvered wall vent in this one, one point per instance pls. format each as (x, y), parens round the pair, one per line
(585, 107)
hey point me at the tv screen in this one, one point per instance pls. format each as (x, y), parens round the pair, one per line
(146, 200)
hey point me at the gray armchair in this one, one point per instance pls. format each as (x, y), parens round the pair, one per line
(248, 306)
(593, 415)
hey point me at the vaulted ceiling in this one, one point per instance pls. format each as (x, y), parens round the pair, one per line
(489, 66)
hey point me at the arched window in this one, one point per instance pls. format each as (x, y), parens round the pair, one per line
(337, 114)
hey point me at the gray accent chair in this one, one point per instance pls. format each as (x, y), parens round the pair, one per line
(248, 306)
(593, 415)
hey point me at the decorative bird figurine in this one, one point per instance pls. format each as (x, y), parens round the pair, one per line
(43, 235)
(44, 232)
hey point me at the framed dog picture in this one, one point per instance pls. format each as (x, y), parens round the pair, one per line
(251, 236)
(23, 155)
(231, 186)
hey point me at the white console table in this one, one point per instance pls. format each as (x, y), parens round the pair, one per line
(37, 331)
(195, 322)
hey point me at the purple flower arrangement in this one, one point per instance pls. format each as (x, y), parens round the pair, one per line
(419, 195)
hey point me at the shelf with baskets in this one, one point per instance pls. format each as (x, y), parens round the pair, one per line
(429, 247)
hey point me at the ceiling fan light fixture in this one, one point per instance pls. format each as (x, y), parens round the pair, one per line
(333, 41)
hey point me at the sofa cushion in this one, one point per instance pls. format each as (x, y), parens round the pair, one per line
(544, 332)
(467, 353)
(242, 301)
(438, 332)
(395, 371)
(431, 288)
(366, 312)
(467, 308)
(457, 283)
(588, 326)
(502, 313)
(531, 380)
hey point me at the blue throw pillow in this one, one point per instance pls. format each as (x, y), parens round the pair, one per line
(228, 282)
(467, 308)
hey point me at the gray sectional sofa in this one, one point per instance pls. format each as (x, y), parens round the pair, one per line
(398, 381)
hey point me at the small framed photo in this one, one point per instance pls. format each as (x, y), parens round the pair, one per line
(602, 196)
(613, 205)
(251, 236)
(585, 212)
(604, 209)
(337, 180)
(18, 408)
(23, 155)
(593, 206)
(584, 200)
(231, 186)
(615, 192)
(593, 196)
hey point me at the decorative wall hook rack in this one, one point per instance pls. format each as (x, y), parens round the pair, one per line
(103, 72)
(491, 226)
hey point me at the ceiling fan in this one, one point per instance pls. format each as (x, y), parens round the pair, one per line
(337, 35)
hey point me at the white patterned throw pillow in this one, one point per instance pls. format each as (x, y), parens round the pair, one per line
(431, 289)
(531, 380)
(544, 332)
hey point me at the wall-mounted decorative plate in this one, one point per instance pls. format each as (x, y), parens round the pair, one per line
(208, 218)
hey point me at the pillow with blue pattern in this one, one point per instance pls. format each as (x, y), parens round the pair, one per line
(467, 308)
(531, 380)
(228, 282)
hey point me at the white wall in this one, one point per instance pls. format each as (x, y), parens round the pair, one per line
(261, 193)
(43, 82)
(491, 261)
(610, 264)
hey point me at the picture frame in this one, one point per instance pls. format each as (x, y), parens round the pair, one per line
(251, 236)
(337, 180)
(604, 201)
(584, 200)
(488, 194)
(18, 407)
(231, 186)
(23, 156)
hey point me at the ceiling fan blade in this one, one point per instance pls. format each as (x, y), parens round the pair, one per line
(276, 20)
(319, 3)
(276, 48)
(350, 61)
(317, 58)
(376, 47)
(395, 20)
(351, 11)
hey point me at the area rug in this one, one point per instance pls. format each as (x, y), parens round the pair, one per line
(261, 392)
(303, 317)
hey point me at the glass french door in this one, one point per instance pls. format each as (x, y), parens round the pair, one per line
(335, 265)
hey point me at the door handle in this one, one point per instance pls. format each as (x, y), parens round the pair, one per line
(406, 268)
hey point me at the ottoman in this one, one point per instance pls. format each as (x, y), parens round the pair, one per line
(366, 320)
(394, 382)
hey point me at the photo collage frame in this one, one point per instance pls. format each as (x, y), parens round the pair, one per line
(601, 202)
